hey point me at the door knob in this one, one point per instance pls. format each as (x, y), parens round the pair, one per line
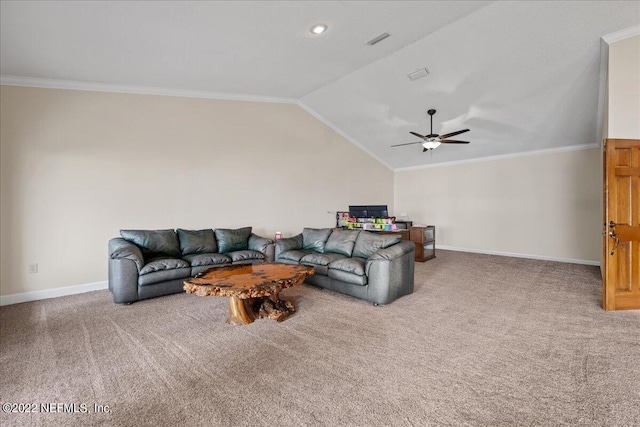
(614, 236)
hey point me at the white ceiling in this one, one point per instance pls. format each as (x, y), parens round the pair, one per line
(523, 76)
(255, 48)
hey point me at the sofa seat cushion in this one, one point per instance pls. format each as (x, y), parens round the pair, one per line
(162, 264)
(164, 275)
(320, 261)
(246, 255)
(343, 276)
(198, 260)
(161, 270)
(294, 255)
(353, 265)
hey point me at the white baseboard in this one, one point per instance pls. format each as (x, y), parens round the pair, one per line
(515, 255)
(52, 293)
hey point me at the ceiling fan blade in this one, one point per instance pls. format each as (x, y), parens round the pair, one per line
(453, 141)
(408, 143)
(417, 134)
(453, 133)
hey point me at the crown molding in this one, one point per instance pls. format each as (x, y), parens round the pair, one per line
(138, 90)
(622, 34)
(341, 133)
(502, 157)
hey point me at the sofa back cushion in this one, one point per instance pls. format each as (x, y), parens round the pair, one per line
(230, 240)
(154, 243)
(341, 242)
(197, 241)
(315, 238)
(369, 243)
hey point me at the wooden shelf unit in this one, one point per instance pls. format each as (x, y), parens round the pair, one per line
(424, 238)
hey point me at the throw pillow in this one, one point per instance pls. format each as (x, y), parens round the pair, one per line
(315, 238)
(230, 240)
(368, 243)
(197, 241)
(154, 243)
(341, 242)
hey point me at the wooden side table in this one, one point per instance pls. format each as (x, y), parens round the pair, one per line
(424, 238)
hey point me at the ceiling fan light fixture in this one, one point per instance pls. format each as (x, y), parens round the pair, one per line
(430, 145)
(318, 29)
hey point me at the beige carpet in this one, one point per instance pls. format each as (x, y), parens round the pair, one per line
(483, 341)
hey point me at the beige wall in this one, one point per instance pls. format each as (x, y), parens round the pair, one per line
(79, 166)
(624, 89)
(543, 205)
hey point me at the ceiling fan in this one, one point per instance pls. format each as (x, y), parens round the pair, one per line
(433, 140)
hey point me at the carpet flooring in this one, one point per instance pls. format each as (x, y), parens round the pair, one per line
(483, 341)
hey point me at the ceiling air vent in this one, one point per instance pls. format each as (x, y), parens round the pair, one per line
(418, 74)
(378, 39)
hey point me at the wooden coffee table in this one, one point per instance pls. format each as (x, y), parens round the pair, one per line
(253, 289)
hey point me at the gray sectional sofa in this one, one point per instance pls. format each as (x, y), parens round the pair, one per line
(373, 267)
(150, 263)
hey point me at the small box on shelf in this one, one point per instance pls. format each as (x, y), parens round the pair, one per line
(369, 223)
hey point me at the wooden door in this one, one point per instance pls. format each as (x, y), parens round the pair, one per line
(622, 222)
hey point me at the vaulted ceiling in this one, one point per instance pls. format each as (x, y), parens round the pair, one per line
(523, 76)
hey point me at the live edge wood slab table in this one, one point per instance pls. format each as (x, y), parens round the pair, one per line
(253, 289)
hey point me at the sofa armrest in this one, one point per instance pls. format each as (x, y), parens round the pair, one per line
(392, 252)
(390, 272)
(125, 262)
(262, 244)
(288, 244)
(123, 249)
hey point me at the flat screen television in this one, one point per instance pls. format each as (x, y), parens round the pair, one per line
(378, 211)
(358, 212)
(369, 211)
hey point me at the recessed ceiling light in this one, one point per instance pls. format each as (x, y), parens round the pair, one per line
(318, 29)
